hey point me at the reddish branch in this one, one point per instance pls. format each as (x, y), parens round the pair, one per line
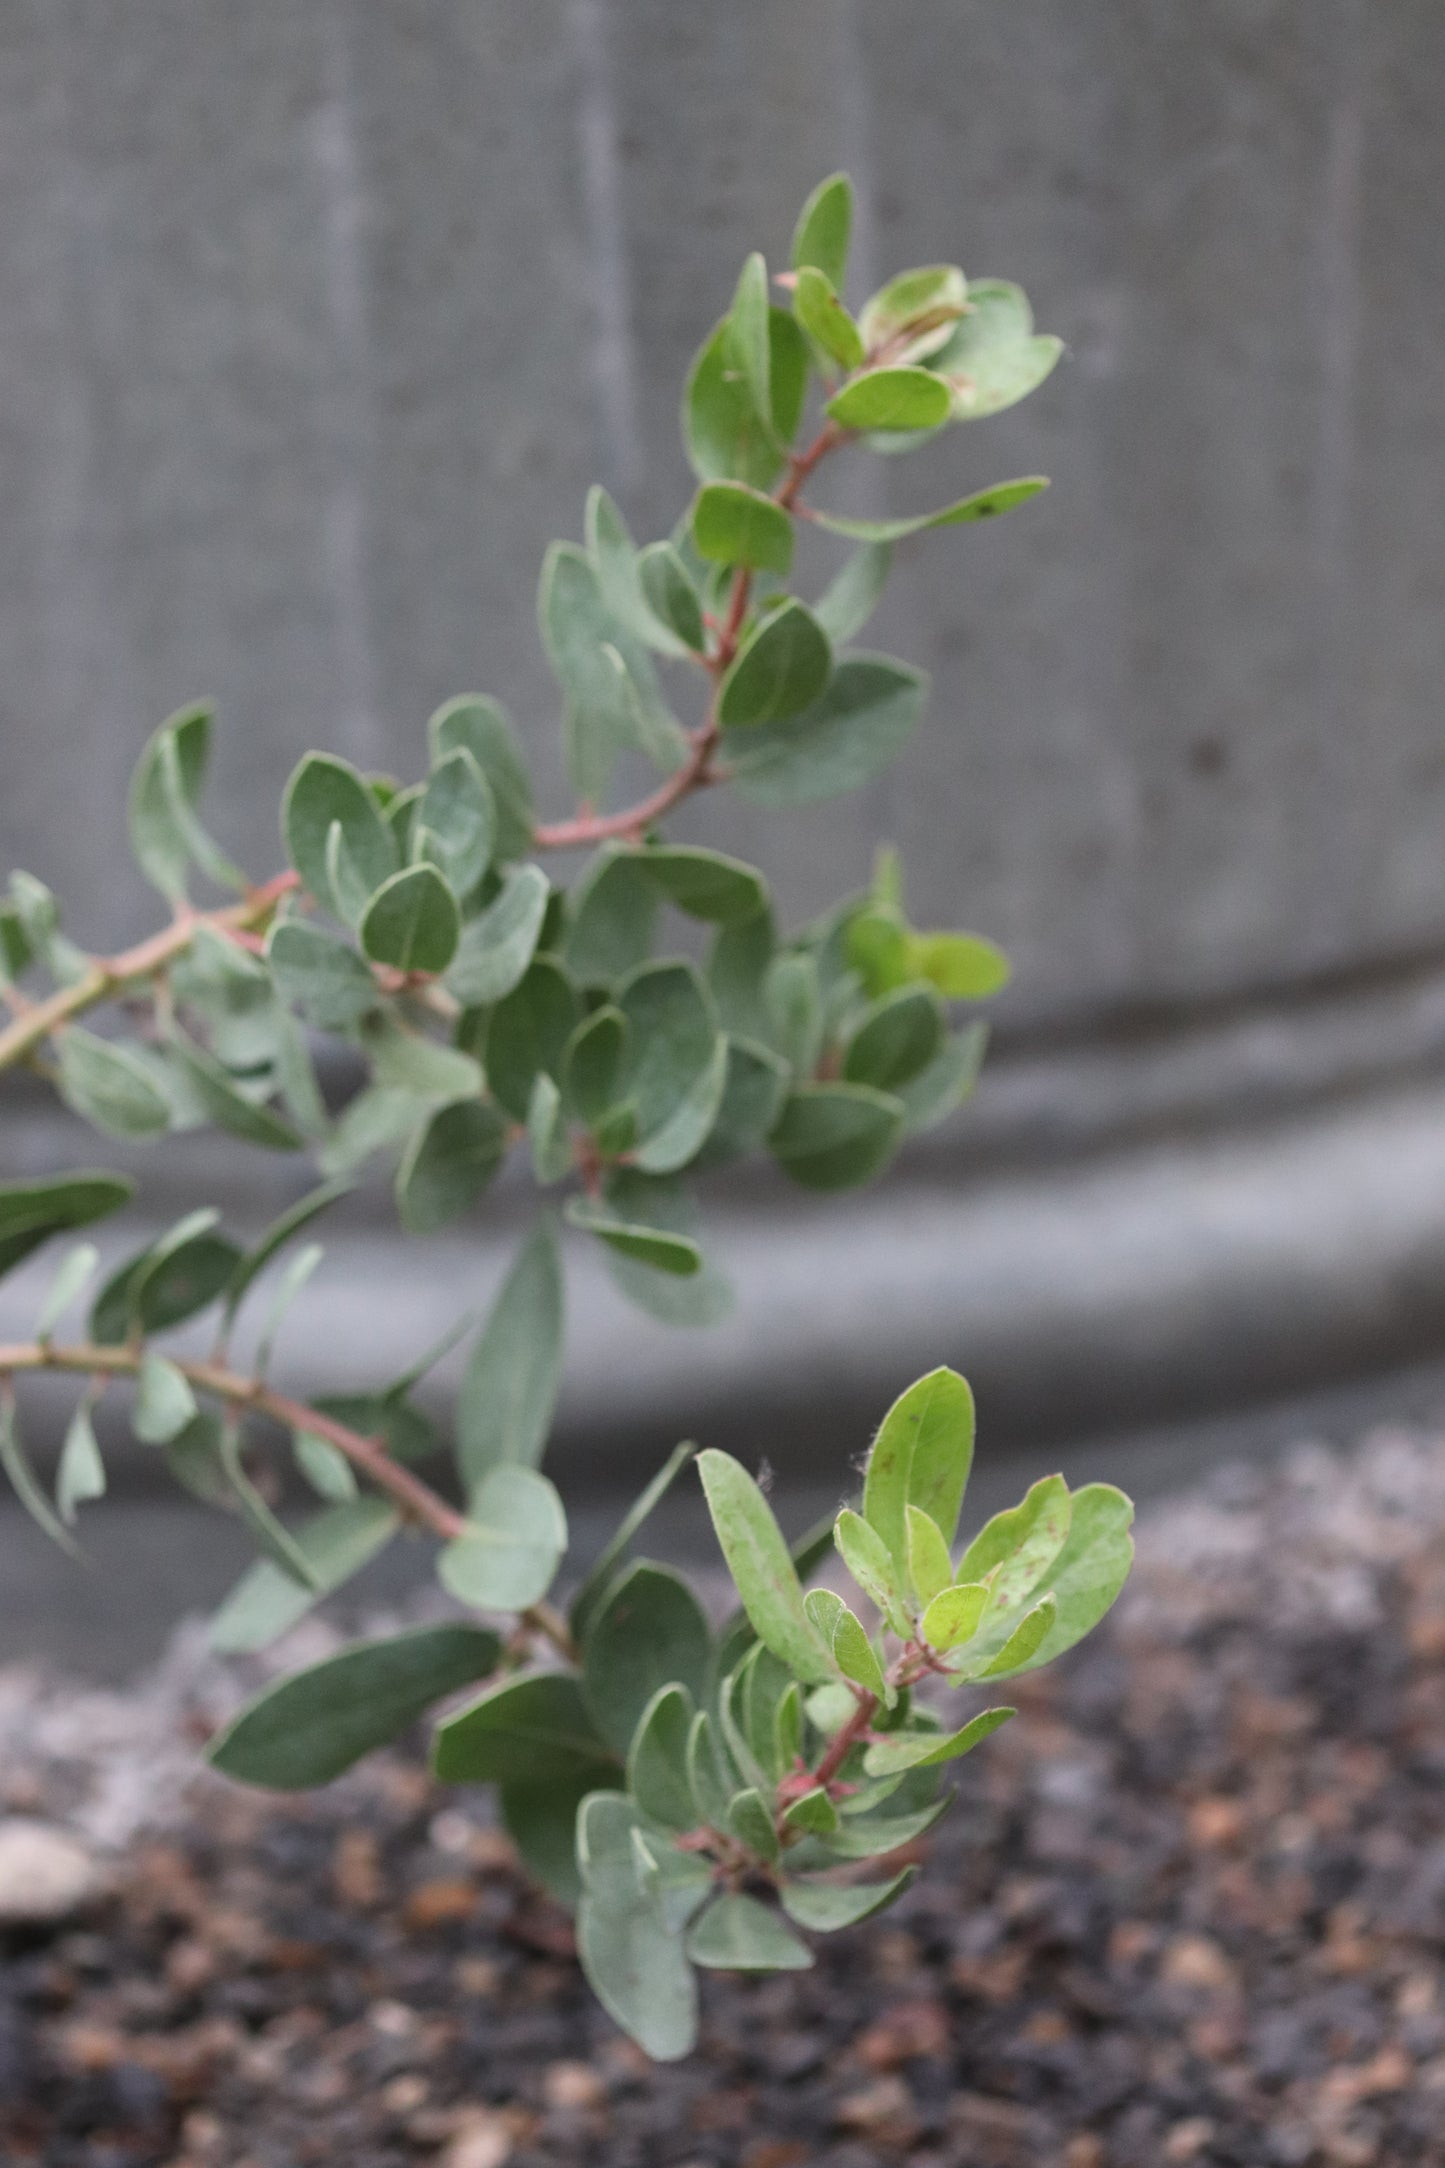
(416, 1500)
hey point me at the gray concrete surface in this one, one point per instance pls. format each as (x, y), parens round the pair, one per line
(316, 322)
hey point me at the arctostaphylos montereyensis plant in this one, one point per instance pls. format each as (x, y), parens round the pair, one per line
(698, 1795)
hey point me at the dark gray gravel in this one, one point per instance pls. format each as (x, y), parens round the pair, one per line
(1190, 1908)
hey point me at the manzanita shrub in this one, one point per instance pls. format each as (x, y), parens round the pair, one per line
(699, 1794)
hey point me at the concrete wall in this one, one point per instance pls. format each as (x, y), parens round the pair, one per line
(317, 320)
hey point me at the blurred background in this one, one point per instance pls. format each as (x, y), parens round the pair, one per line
(315, 324)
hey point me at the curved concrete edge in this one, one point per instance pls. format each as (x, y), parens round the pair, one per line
(1142, 1287)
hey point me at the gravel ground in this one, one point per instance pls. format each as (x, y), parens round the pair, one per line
(1190, 1907)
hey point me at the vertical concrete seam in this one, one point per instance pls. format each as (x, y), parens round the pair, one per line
(612, 345)
(346, 515)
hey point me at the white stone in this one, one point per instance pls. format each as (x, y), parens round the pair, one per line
(45, 1873)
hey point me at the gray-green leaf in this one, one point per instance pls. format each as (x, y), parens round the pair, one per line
(516, 1534)
(308, 1728)
(757, 1556)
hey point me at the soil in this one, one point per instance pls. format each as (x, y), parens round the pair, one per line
(1190, 1908)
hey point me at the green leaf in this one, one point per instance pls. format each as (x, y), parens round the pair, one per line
(867, 1558)
(648, 1245)
(947, 1082)
(896, 1039)
(1016, 1548)
(320, 975)
(323, 790)
(914, 1750)
(451, 1160)
(781, 668)
(592, 1065)
(612, 697)
(788, 352)
(705, 884)
(164, 1402)
(874, 1836)
(922, 1456)
(271, 1533)
(482, 727)
(835, 1136)
(994, 358)
(737, 971)
(24, 1482)
(983, 504)
(711, 1777)
(267, 1601)
(891, 399)
(346, 883)
(541, 1820)
(499, 943)
(952, 1615)
(649, 1632)
(528, 1034)
(177, 1276)
(754, 1089)
(673, 1075)
(813, 1813)
(665, 1205)
(963, 966)
(738, 1933)
(108, 1086)
(325, 1468)
(164, 832)
(81, 1474)
(725, 435)
(856, 1656)
(757, 1557)
(671, 598)
(619, 570)
(930, 1569)
(733, 524)
(914, 314)
(309, 1728)
(1027, 1638)
(412, 922)
(509, 1392)
(39, 917)
(857, 726)
(678, 1139)
(750, 1820)
(277, 1235)
(378, 1117)
(74, 1272)
(823, 316)
(1090, 1570)
(635, 1965)
(823, 229)
(535, 1729)
(824, 1907)
(657, 1762)
(547, 1135)
(401, 818)
(31, 1212)
(850, 598)
(748, 334)
(598, 1578)
(611, 913)
(410, 1061)
(516, 1534)
(225, 1104)
(458, 820)
(16, 954)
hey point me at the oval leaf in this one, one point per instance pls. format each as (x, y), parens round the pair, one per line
(309, 1728)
